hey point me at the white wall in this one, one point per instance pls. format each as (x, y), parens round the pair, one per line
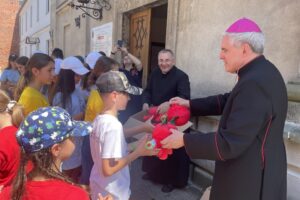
(34, 22)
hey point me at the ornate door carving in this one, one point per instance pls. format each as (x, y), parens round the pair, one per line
(139, 39)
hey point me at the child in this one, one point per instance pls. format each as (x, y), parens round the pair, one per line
(110, 173)
(40, 72)
(21, 63)
(93, 108)
(45, 138)
(133, 69)
(10, 76)
(11, 115)
(69, 97)
(95, 104)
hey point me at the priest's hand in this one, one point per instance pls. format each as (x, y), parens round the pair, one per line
(180, 101)
(174, 141)
(163, 108)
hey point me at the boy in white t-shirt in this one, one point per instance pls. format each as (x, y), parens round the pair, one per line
(110, 173)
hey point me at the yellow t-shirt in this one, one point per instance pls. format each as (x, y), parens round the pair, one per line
(32, 99)
(94, 106)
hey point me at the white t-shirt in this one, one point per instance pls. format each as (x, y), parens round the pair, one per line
(107, 141)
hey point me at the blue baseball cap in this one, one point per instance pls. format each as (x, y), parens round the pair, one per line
(48, 126)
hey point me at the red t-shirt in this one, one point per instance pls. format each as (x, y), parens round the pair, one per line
(48, 190)
(9, 155)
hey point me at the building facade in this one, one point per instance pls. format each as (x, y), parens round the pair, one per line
(193, 30)
(9, 32)
(35, 32)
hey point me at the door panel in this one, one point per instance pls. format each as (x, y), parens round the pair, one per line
(140, 37)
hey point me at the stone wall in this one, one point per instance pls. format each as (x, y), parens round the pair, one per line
(66, 35)
(199, 32)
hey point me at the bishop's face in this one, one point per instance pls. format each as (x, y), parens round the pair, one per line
(231, 54)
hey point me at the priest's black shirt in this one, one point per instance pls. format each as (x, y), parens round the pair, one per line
(162, 87)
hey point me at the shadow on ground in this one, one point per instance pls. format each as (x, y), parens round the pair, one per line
(146, 190)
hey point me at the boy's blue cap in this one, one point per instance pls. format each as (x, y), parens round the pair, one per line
(48, 126)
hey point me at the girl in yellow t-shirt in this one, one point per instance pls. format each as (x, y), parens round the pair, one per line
(40, 72)
(94, 104)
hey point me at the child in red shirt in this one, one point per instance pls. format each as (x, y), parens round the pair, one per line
(45, 138)
(11, 115)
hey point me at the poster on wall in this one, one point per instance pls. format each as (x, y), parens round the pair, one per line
(101, 38)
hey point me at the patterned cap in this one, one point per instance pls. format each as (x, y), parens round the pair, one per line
(116, 81)
(48, 126)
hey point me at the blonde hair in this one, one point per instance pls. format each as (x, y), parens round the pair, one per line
(15, 110)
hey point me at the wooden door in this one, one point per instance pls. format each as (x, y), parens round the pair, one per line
(139, 39)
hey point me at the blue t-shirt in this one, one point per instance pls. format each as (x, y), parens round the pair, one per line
(10, 75)
(74, 106)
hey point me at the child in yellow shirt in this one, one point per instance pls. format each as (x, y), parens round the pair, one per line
(40, 72)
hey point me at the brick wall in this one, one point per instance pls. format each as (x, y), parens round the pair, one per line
(9, 30)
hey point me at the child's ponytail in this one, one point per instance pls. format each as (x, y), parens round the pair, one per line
(22, 83)
(17, 115)
(42, 161)
(18, 186)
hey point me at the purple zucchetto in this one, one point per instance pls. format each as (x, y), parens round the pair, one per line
(243, 25)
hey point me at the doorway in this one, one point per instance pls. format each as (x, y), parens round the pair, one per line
(148, 36)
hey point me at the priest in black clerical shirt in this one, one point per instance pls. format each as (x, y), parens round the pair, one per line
(166, 82)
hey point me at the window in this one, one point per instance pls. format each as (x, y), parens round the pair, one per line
(47, 6)
(30, 16)
(37, 10)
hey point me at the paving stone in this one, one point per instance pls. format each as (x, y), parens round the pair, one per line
(146, 190)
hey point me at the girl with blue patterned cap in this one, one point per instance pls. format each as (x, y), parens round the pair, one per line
(45, 137)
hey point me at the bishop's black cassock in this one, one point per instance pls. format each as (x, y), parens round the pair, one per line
(248, 146)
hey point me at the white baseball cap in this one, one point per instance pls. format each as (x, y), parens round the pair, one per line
(92, 58)
(74, 64)
(57, 62)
